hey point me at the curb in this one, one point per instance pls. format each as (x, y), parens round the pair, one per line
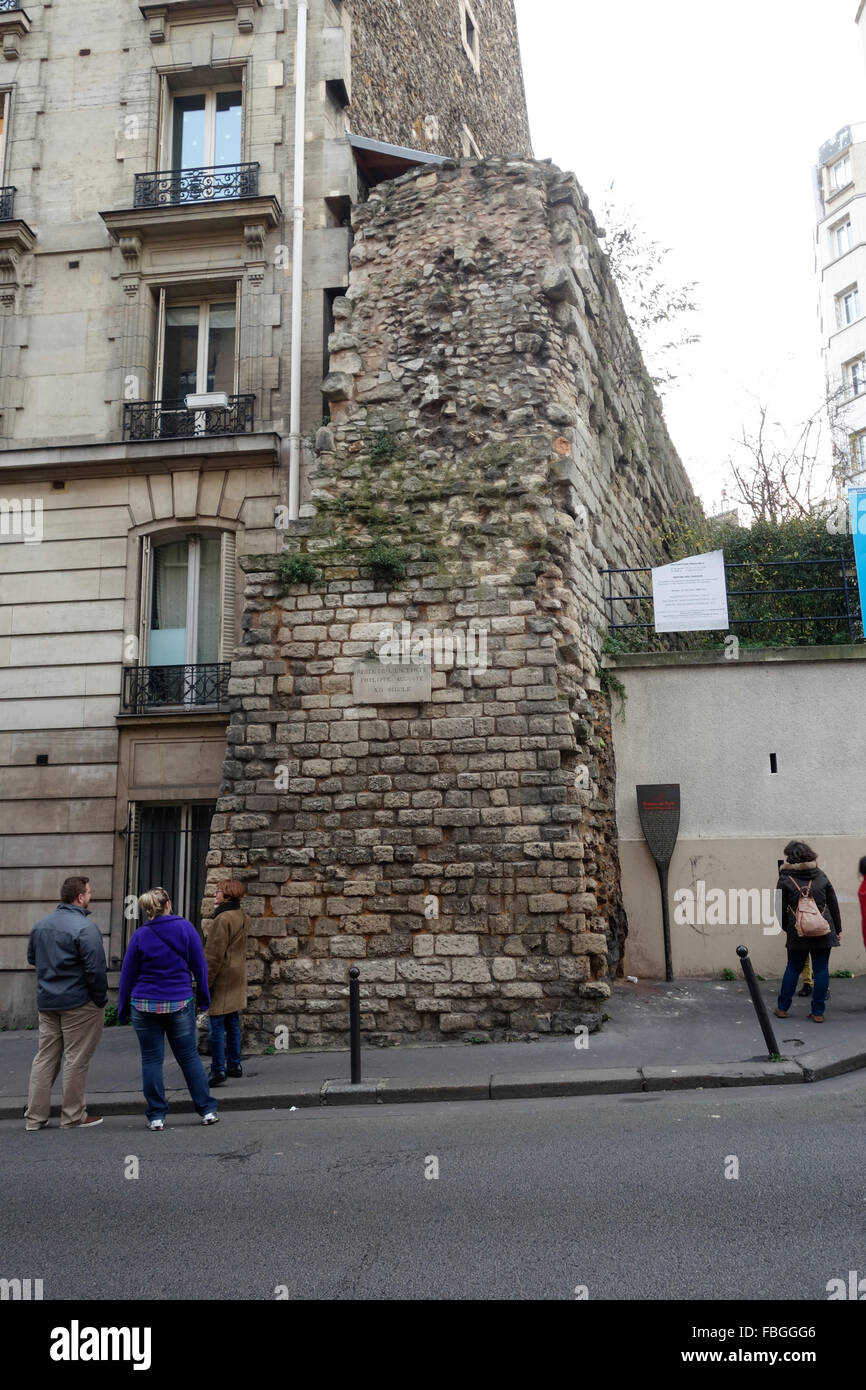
(818, 1065)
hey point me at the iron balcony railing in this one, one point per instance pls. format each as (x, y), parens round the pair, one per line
(763, 607)
(7, 197)
(10, 4)
(148, 688)
(176, 420)
(170, 187)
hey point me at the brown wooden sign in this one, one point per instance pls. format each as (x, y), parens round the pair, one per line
(658, 807)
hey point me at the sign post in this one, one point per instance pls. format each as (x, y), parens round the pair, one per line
(659, 812)
(857, 503)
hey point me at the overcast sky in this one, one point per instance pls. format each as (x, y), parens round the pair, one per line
(708, 120)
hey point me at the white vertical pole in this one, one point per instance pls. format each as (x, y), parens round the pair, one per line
(298, 263)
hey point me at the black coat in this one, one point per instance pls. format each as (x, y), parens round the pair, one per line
(824, 895)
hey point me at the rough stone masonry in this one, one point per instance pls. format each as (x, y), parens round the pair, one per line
(494, 443)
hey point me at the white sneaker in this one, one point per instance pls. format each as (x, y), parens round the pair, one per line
(156, 1124)
(210, 1118)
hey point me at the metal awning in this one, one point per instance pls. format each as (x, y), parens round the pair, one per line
(378, 161)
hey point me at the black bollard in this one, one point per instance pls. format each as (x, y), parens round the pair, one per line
(355, 1024)
(760, 1006)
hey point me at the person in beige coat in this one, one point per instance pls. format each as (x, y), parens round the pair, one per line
(226, 955)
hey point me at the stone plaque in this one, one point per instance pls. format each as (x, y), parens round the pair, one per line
(386, 683)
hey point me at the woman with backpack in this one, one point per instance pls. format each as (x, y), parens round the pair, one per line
(155, 982)
(226, 955)
(812, 921)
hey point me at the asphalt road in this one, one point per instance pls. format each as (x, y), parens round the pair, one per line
(624, 1195)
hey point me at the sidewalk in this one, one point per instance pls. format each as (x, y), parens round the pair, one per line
(660, 1037)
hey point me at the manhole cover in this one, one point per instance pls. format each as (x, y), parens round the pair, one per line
(798, 1042)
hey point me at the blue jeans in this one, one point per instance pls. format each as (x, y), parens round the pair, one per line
(821, 971)
(152, 1031)
(225, 1033)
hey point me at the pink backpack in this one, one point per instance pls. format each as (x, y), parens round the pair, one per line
(808, 919)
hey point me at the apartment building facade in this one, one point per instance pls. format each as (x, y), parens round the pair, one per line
(840, 189)
(162, 351)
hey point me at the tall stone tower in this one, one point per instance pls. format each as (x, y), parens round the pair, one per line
(420, 778)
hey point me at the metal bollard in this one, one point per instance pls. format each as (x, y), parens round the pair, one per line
(760, 1006)
(355, 1024)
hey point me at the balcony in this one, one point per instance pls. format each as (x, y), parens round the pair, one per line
(176, 420)
(7, 196)
(147, 689)
(174, 187)
(9, 5)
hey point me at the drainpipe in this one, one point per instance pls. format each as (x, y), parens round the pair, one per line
(298, 263)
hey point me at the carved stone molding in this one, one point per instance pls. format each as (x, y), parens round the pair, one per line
(161, 13)
(14, 24)
(130, 247)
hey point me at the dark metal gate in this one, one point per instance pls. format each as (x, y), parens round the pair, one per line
(166, 847)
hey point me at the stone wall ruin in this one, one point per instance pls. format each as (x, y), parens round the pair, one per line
(493, 427)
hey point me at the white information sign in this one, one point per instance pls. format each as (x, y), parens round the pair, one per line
(690, 595)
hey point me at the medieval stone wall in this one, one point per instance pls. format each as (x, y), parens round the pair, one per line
(493, 425)
(414, 84)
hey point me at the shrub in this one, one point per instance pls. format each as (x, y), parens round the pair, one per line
(295, 569)
(388, 562)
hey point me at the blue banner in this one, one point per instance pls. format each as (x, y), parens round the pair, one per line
(857, 502)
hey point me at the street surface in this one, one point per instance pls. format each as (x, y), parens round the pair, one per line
(625, 1195)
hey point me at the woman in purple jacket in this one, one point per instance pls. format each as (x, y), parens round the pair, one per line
(155, 982)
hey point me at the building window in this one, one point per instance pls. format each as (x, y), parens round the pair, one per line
(187, 624)
(206, 128)
(470, 35)
(841, 237)
(198, 349)
(840, 174)
(855, 376)
(847, 306)
(184, 609)
(4, 121)
(470, 148)
(858, 451)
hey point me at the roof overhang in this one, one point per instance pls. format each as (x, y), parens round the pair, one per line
(378, 161)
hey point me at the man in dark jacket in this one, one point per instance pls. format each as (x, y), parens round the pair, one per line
(71, 990)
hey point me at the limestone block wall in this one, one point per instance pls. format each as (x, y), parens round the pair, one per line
(492, 423)
(415, 84)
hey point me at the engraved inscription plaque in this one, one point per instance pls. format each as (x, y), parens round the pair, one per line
(375, 683)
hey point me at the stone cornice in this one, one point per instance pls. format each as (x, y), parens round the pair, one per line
(194, 219)
(108, 458)
(16, 236)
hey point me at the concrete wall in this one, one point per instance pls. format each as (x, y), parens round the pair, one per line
(710, 725)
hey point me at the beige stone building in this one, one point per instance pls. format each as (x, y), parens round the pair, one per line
(153, 394)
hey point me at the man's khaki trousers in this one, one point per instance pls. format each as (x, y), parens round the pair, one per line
(71, 1037)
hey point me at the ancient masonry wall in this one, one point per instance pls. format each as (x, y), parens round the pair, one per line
(491, 423)
(414, 84)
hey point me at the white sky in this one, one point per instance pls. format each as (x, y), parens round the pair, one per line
(708, 118)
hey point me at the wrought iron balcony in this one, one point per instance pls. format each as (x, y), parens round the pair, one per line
(10, 4)
(170, 187)
(7, 195)
(175, 420)
(150, 688)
